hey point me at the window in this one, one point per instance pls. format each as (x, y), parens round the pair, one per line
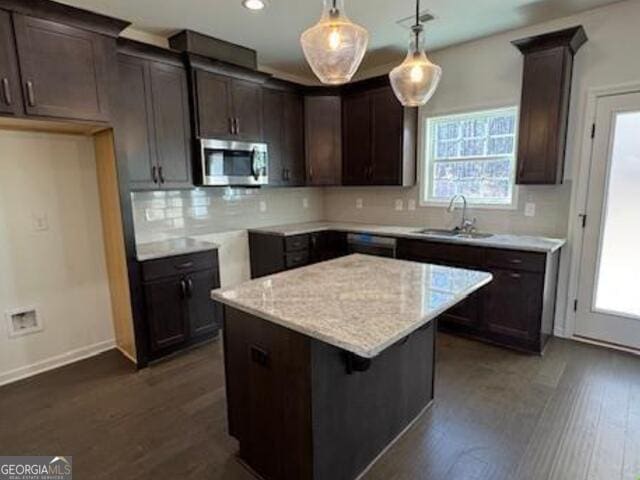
(472, 155)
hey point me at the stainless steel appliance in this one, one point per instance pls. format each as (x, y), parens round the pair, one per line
(372, 245)
(226, 162)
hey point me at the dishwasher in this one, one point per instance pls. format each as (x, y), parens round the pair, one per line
(372, 245)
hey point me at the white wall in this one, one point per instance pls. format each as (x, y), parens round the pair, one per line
(488, 73)
(61, 271)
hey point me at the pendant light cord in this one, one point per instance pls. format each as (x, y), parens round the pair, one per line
(417, 28)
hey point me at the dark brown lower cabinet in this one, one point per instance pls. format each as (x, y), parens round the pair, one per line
(272, 253)
(515, 310)
(179, 309)
(300, 412)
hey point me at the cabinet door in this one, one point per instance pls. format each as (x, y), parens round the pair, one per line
(213, 99)
(204, 313)
(323, 140)
(166, 313)
(247, 110)
(273, 117)
(64, 70)
(172, 130)
(294, 138)
(387, 119)
(10, 96)
(356, 138)
(543, 116)
(135, 122)
(513, 303)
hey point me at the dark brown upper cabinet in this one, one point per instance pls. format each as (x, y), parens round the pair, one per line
(64, 70)
(228, 107)
(10, 92)
(283, 116)
(323, 139)
(544, 109)
(379, 137)
(153, 122)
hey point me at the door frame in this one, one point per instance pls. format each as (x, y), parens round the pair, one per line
(579, 204)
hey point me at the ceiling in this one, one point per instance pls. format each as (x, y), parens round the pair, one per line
(274, 32)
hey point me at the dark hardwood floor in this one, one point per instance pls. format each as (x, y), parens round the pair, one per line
(572, 414)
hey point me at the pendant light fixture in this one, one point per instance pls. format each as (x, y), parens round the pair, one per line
(335, 46)
(415, 80)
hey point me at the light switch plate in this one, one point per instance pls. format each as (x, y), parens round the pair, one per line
(358, 203)
(529, 209)
(263, 206)
(399, 205)
(40, 221)
(411, 204)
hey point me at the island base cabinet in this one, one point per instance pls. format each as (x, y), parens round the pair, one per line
(300, 413)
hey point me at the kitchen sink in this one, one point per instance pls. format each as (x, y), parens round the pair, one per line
(437, 232)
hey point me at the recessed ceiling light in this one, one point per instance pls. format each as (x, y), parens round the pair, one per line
(253, 4)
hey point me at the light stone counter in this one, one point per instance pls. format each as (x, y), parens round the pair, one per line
(360, 303)
(509, 242)
(171, 248)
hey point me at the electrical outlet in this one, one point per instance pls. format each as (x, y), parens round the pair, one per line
(40, 221)
(305, 202)
(263, 206)
(411, 204)
(399, 205)
(529, 209)
(358, 203)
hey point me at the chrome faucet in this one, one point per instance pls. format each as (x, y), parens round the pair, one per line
(466, 226)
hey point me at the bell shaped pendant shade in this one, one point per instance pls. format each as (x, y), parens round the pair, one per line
(335, 46)
(415, 80)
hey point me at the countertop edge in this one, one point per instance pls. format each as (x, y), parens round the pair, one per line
(217, 295)
(559, 243)
(176, 253)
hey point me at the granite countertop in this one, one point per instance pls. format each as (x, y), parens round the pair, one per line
(171, 248)
(360, 303)
(509, 242)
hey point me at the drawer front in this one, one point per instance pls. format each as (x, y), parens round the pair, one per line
(516, 260)
(297, 259)
(168, 267)
(297, 242)
(441, 253)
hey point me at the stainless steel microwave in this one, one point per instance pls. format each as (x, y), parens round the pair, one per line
(226, 162)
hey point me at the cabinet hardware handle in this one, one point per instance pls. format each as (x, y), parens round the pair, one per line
(154, 174)
(231, 126)
(182, 266)
(237, 126)
(183, 289)
(7, 91)
(161, 174)
(515, 275)
(189, 288)
(31, 96)
(516, 261)
(311, 173)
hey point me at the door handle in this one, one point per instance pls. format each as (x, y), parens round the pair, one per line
(6, 91)
(154, 174)
(31, 96)
(254, 170)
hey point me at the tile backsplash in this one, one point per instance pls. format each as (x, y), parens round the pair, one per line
(159, 215)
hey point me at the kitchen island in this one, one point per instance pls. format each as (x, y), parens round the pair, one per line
(327, 365)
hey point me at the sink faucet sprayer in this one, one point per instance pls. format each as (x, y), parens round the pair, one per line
(466, 226)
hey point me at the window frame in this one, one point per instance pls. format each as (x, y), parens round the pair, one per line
(426, 160)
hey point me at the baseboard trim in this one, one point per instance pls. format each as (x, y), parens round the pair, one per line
(610, 345)
(56, 361)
